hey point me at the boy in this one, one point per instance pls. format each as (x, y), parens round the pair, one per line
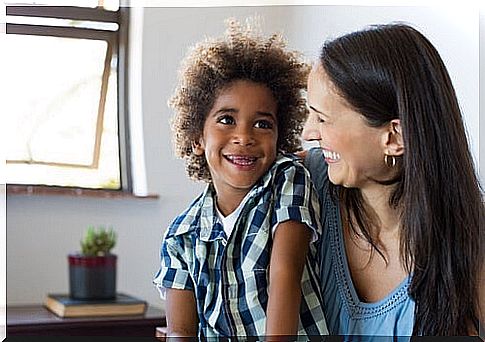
(238, 261)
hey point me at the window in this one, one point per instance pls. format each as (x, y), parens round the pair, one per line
(66, 122)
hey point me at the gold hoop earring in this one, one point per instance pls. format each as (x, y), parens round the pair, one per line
(390, 163)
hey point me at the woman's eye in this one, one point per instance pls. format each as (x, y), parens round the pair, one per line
(320, 119)
(263, 124)
(226, 120)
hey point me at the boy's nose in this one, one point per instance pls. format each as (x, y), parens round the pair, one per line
(243, 136)
(310, 129)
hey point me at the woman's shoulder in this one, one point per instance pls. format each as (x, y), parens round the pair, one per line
(314, 161)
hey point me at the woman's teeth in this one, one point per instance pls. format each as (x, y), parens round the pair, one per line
(331, 155)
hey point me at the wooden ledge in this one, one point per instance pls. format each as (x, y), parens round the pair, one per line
(34, 190)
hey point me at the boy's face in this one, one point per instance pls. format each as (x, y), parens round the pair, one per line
(239, 138)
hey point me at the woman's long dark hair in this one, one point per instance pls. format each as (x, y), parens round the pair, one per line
(392, 71)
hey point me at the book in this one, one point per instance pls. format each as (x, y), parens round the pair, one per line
(64, 306)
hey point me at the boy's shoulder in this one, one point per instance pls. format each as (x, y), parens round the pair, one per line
(287, 160)
(189, 219)
(286, 163)
(287, 168)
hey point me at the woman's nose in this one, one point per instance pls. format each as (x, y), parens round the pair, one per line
(310, 129)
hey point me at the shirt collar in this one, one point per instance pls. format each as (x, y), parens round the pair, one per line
(210, 226)
(207, 221)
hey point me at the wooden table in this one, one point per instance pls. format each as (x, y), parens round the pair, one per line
(35, 320)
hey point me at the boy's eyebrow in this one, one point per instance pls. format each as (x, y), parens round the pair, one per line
(233, 110)
(273, 116)
(225, 110)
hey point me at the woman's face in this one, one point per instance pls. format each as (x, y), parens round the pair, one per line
(354, 151)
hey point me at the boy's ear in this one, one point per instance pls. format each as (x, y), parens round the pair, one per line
(198, 147)
(392, 138)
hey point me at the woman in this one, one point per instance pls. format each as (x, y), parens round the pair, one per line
(401, 203)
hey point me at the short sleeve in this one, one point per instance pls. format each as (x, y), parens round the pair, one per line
(174, 270)
(296, 199)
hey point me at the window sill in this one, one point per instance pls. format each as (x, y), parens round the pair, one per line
(34, 190)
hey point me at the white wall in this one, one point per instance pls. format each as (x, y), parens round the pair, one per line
(42, 230)
(482, 98)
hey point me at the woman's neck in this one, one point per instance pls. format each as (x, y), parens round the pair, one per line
(387, 218)
(381, 225)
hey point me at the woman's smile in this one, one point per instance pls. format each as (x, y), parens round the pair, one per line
(331, 156)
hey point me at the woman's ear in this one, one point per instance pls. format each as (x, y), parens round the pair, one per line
(393, 140)
(198, 147)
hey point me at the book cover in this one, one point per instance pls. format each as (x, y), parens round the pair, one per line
(123, 304)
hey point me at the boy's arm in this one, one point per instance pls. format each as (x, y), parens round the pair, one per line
(181, 313)
(290, 247)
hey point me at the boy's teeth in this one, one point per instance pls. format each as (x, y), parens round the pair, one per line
(241, 160)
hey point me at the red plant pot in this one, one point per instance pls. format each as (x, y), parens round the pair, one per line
(92, 277)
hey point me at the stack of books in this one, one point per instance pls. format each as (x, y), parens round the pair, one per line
(65, 306)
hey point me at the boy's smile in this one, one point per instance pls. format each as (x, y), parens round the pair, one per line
(242, 161)
(239, 140)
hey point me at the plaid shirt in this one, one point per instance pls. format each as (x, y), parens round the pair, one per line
(229, 276)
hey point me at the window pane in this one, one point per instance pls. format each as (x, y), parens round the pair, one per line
(96, 25)
(53, 102)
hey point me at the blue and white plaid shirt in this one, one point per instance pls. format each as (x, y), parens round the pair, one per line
(230, 276)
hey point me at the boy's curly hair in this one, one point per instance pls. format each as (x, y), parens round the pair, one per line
(212, 65)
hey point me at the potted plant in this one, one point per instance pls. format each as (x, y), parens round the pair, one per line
(92, 272)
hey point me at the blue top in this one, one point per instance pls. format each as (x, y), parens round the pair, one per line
(344, 312)
(229, 274)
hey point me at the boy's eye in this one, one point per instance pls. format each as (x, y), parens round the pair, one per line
(263, 124)
(320, 119)
(226, 120)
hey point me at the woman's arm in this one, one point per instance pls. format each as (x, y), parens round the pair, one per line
(181, 311)
(290, 247)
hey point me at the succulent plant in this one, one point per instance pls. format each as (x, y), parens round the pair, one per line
(98, 242)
